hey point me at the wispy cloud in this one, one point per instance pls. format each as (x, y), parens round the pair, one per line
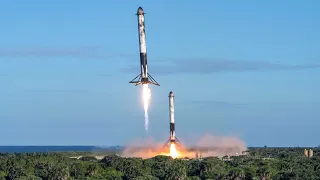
(206, 66)
(79, 53)
(96, 52)
(40, 51)
(62, 91)
(217, 103)
(104, 75)
(65, 75)
(56, 91)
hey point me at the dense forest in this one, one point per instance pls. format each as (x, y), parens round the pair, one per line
(259, 163)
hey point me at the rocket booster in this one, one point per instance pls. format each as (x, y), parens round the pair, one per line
(172, 138)
(142, 44)
(144, 77)
(171, 111)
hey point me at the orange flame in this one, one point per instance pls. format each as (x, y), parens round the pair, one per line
(173, 151)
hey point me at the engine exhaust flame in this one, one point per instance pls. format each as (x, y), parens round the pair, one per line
(173, 151)
(146, 94)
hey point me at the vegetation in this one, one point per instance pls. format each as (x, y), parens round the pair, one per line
(260, 163)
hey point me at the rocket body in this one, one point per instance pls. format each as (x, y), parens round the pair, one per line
(142, 45)
(171, 114)
(172, 138)
(144, 77)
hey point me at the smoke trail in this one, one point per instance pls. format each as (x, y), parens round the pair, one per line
(146, 120)
(146, 94)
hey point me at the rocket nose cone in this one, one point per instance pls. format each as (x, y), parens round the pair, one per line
(171, 94)
(140, 11)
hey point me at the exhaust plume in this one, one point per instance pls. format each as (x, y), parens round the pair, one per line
(146, 94)
(142, 147)
(207, 145)
(221, 145)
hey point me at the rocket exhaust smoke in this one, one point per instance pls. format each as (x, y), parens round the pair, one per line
(208, 145)
(146, 94)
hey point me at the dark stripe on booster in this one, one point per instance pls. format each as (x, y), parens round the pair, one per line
(172, 127)
(143, 59)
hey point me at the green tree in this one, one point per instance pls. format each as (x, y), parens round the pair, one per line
(88, 158)
(212, 168)
(132, 168)
(109, 173)
(59, 171)
(236, 173)
(146, 177)
(78, 170)
(159, 166)
(177, 170)
(115, 162)
(16, 172)
(194, 168)
(43, 170)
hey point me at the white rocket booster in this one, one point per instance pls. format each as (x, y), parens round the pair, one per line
(142, 43)
(171, 111)
(144, 77)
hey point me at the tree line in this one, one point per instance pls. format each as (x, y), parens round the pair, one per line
(259, 163)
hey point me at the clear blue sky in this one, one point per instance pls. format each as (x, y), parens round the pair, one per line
(246, 68)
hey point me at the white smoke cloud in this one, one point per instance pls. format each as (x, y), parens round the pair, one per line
(207, 145)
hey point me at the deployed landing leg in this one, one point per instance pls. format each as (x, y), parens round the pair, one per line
(139, 80)
(176, 142)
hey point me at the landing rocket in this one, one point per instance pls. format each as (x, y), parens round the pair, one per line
(172, 138)
(144, 77)
(171, 111)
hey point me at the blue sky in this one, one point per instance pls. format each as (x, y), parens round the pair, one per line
(244, 68)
